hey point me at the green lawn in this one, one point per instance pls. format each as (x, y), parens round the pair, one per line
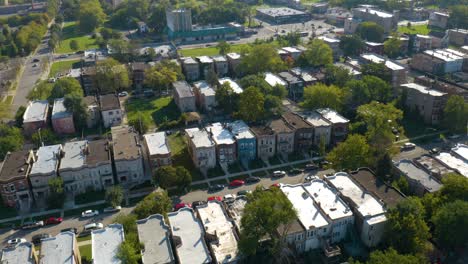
(89, 197)
(159, 110)
(70, 32)
(83, 238)
(61, 66)
(86, 252)
(215, 172)
(9, 99)
(181, 156)
(209, 51)
(234, 168)
(6, 212)
(415, 29)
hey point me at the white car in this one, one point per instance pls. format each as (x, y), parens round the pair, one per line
(16, 241)
(310, 178)
(408, 146)
(89, 213)
(112, 209)
(279, 174)
(123, 94)
(93, 226)
(229, 197)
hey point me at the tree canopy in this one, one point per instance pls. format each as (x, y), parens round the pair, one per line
(140, 122)
(251, 105)
(323, 96)
(11, 139)
(114, 195)
(351, 45)
(111, 76)
(155, 203)
(336, 75)
(160, 76)
(56, 196)
(90, 15)
(74, 103)
(351, 154)
(370, 31)
(392, 46)
(261, 58)
(169, 176)
(456, 114)
(226, 98)
(318, 54)
(450, 224)
(391, 256)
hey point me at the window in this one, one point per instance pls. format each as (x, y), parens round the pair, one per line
(111, 112)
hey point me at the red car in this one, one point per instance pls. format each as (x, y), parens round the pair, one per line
(237, 183)
(181, 205)
(53, 220)
(275, 185)
(215, 198)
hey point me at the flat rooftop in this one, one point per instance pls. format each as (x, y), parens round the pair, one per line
(280, 126)
(219, 58)
(98, 152)
(461, 150)
(308, 213)
(413, 172)
(332, 116)
(200, 138)
(215, 221)
(58, 249)
(155, 236)
(328, 199)
(220, 134)
(14, 165)
(233, 56)
(291, 50)
(365, 203)
(59, 110)
(188, 231)
(105, 244)
(447, 55)
(328, 39)
(157, 143)
(19, 254)
(189, 60)
(74, 156)
(423, 89)
(315, 119)
(205, 59)
(125, 143)
(183, 89)
(375, 12)
(236, 209)
(205, 88)
(274, 80)
(241, 130)
(453, 162)
(295, 121)
(36, 111)
(262, 130)
(432, 165)
(234, 85)
(47, 160)
(280, 11)
(109, 102)
(288, 77)
(374, 58)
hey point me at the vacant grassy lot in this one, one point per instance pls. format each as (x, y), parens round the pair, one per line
(70, 32)
(86, 252)
(416, 29)
(181, 156)
(209, 51)
(159, 110)
(62, 66)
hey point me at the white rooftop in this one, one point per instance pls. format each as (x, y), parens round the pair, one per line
(233, 55)
(157, 143)
(315, 119)
(36, 111)
(291, 50)
(58, 249)
(453, 162)
(461, 150)
(154, 234)
(74, 155)
(378, 59)
(308, 213)
(205, 59)
(328, 199)
(425, 179)
(274, 80)
(59, 110)
(375, 12)
(446, 55)
(366, 204)
(189, 60)
(205, 88)
(328, 39)
(219, 58)
(200, 138)
(332, 116)
(241, 130)
(188, 228)
(47, 159)
(215, 221)
(105, 244)
(220, 134)
(423, 89)
(21, 254)
(235, 86)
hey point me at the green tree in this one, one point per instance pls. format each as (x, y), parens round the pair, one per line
(336, 75)
(111, 76)
(160, 76)
(114, 195)
(90, 15)
(226, 98)
(258, 80)
(45, 136)
(184, 178)
(165, 176)
(223, 47)
(74, 45)
(155, 203)
(140, 122)
(458, 16)
(351, 154)
(402, 185)
(391, 256)
(272, 105)
(406, 230)
(129, 250)
(19, 116)
(251, 105)
(323, 96)
(455, 187)
(351, 45)
(11, 139)
(127, 253)
(456, 114)
(263, 215)
(41, 91)
(318, 54)
(261, 58)
(377, 70)
(450, 224)
(370, 31)
(212, 78)
(74, 103)
(379, 90)
(392, 46)
(56, 196)
(384, 166)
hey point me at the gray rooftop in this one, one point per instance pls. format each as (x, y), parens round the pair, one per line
(47, 160)
(59, 110)
(332, 116)
(288, 77)
(58, 249)
(105, 244)
(183, 89)
(241, 130)
(154, 234)
(315, 119)
(74, 155)
(425, 179)
(157, 143)
(219, 58)
(200, 138)
(20, 254)
(36, 111)
(280, 11)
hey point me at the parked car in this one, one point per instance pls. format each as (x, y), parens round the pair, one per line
(34, 65)
(324, 163)
(243, 192)
(279, 174)
(295, 171)
(198, 203)
(148, 93)
(236, 183)
(36, 60)
(275, 185)
(215, 188)
(89, 213)
(252, 179)
(181, 205)
(213, 198)
(112, 209)
(16, 241)
(53, 220)
(123, 94)
(63, 56)
(93, 226)
(36, 239)
(310, 178)
(229, 198)
(311, 166)
(71, 229)
(434, 151)
(32, 224)
(408, 146)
